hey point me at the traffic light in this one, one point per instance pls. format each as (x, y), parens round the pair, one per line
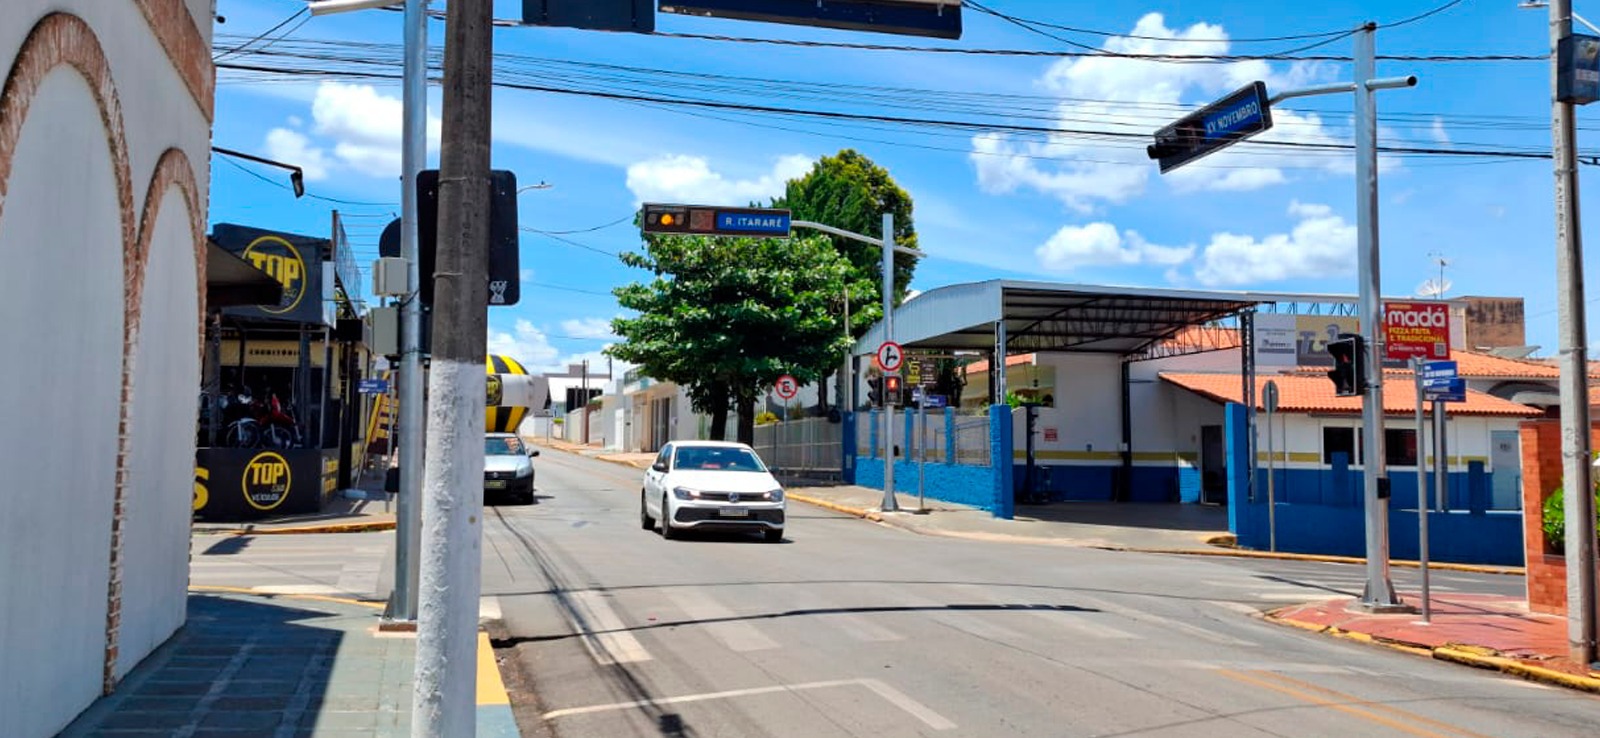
(665, 219)
(875, 391)
(891, 386)
(1349, 372)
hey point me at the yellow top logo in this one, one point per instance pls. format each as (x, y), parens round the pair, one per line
(282, 261)
(266, 481)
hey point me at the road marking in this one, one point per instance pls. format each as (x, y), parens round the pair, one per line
(721, 622)
(1341, 706)
(297, 589)
(1238, 607)
(1398, 712)
(894, 696)
(1081, 622)
(862, 629)
(1178, 625)
(603, 632)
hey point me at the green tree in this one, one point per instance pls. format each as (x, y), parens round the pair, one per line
(725, 317)
(849, 191)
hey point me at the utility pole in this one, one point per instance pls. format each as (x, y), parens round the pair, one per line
(444, 704)
(1379, 594)
(890, 504)
(1575, 453)
(585, 401)
(413, 155)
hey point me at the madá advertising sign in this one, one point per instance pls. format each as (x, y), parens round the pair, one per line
(1416, 330)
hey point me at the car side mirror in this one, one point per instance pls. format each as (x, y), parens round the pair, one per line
(659, 466)
(533, 452)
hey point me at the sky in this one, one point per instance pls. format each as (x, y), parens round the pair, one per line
(990, 201)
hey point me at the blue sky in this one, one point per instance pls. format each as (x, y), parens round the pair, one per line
(988, 204)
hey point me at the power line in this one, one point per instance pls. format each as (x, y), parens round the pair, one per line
(624, 219)
(282, 186)
(568, 241)
(1420, 16)
(1112, 34)
(563, 288)
(241, 47)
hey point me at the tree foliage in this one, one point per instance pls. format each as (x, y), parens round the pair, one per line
(725, 317)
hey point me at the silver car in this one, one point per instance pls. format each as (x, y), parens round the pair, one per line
(508, 468)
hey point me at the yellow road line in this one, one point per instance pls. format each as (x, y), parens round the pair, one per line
(248, 591)
(1379, 706)
(491, 690)
(1316, 700)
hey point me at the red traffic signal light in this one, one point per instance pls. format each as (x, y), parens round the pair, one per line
(891, 384)
(1349, 372)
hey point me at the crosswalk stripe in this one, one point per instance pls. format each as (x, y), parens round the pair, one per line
(720, 621)
(603, 631)
(1165, 622)
(1082, 622)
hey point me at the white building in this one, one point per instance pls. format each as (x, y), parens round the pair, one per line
(105, 129)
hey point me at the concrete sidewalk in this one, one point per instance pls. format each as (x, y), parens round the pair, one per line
(281, 666)
(344, 513)
(1486, 631)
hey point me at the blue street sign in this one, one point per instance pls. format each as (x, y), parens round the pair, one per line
(1452, 390)
(373, 386)
(934, 402)
(1438, 373)
(1242, 114)
(774, 222)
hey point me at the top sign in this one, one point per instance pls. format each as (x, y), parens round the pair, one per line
(1240, 115)
(1416, 330)
(787, 387)
(890, 356)
(709, 220)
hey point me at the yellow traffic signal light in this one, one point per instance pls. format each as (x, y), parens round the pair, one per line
(667, 219)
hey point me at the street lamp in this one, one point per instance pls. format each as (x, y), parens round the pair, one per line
(1537, 4)
(541, 186)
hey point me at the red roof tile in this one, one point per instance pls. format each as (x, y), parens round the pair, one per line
(1301, 393)
(1475, 365)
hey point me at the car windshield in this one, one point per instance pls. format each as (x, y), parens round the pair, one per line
(502, 446)
(717, 458)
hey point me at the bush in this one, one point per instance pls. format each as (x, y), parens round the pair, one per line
(766, 417)
(1555, 518)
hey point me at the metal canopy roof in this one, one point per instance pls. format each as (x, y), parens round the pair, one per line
(1046, 316)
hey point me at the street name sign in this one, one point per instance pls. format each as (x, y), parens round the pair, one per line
(1242, 114)
(373, 386)
(711, 220)
(1416, 330)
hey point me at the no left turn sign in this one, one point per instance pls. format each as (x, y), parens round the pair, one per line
(890, 356)
(787, 387)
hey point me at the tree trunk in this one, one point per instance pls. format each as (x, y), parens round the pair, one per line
(719, 416)
(822, 395)
(747, 419)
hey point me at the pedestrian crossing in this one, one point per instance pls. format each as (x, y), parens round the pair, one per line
(342, 564)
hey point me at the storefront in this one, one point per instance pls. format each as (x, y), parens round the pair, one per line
(281, 428)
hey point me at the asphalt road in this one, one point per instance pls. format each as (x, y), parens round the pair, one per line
(854, 629)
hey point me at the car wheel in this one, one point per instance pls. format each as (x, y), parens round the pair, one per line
(667, 531)
(645, 521)
(773, 535)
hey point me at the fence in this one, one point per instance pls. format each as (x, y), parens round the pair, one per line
(971, 428)
(810, 447)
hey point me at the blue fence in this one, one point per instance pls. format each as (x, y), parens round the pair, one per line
(1322, 511)
(988, 486)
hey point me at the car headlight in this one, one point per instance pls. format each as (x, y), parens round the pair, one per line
(526, 471)
(773, 496)
(684, 493)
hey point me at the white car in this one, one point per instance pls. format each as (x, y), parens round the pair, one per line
(711, 485)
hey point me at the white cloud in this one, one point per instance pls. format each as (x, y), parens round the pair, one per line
(1321, 244)
(526, 275)
(587, 328)
(525, 343)
(1099, 244)
(357, 128)
(294, 148)
(690, 179)
(1123, 96)
(1438, 131)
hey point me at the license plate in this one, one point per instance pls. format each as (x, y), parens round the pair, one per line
(734, 512)
(495, 484)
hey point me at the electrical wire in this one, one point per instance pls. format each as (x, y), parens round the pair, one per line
(548, 286)
(241, 47)
(568, 241)
(1111, 34)
(624, 219)
(1421, 16)
(282, 186)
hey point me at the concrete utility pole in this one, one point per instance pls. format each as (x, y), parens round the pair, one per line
(1575, 451)
(890, 504)
(445, 686)
(413, 156)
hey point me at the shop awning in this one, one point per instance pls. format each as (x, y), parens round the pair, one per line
(232, 281)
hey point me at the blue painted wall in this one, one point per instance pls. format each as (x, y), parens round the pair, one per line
(1097, 482)
(1459, 537)
(978, 486)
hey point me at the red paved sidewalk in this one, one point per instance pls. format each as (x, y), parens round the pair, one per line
(1480, 630)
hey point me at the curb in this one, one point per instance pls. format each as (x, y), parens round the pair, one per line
(217, 588)
(1458, 654)
(836, 507)
(495, 719)
(251, 530)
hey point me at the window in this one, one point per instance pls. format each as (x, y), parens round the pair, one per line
(1339, 441)
(717, 458)
(665, 456)
(1400, 447)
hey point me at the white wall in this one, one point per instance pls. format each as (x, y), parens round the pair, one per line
(1087, 416)
(158, 505)
(61, 290)
(62, 241)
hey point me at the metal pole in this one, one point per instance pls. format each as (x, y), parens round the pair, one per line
(1272, 496)
(1422, 491)
(445, 682)
(922, 447)
(890, 504)
(1441, 455)
(847, 385)
(408, 375)
(1379, 592)
(1579, 502)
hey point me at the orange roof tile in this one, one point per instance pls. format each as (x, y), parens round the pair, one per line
(1012, 360)
(1475, 365)
(1300, 393)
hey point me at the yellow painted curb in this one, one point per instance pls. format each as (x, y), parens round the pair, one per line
(491, 689)
(1519, 669)
(1248, 554)
(313, 597)
(858, 512)
(249, 530)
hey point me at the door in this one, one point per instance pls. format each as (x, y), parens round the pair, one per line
(1505, 457)
(1213, 465)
